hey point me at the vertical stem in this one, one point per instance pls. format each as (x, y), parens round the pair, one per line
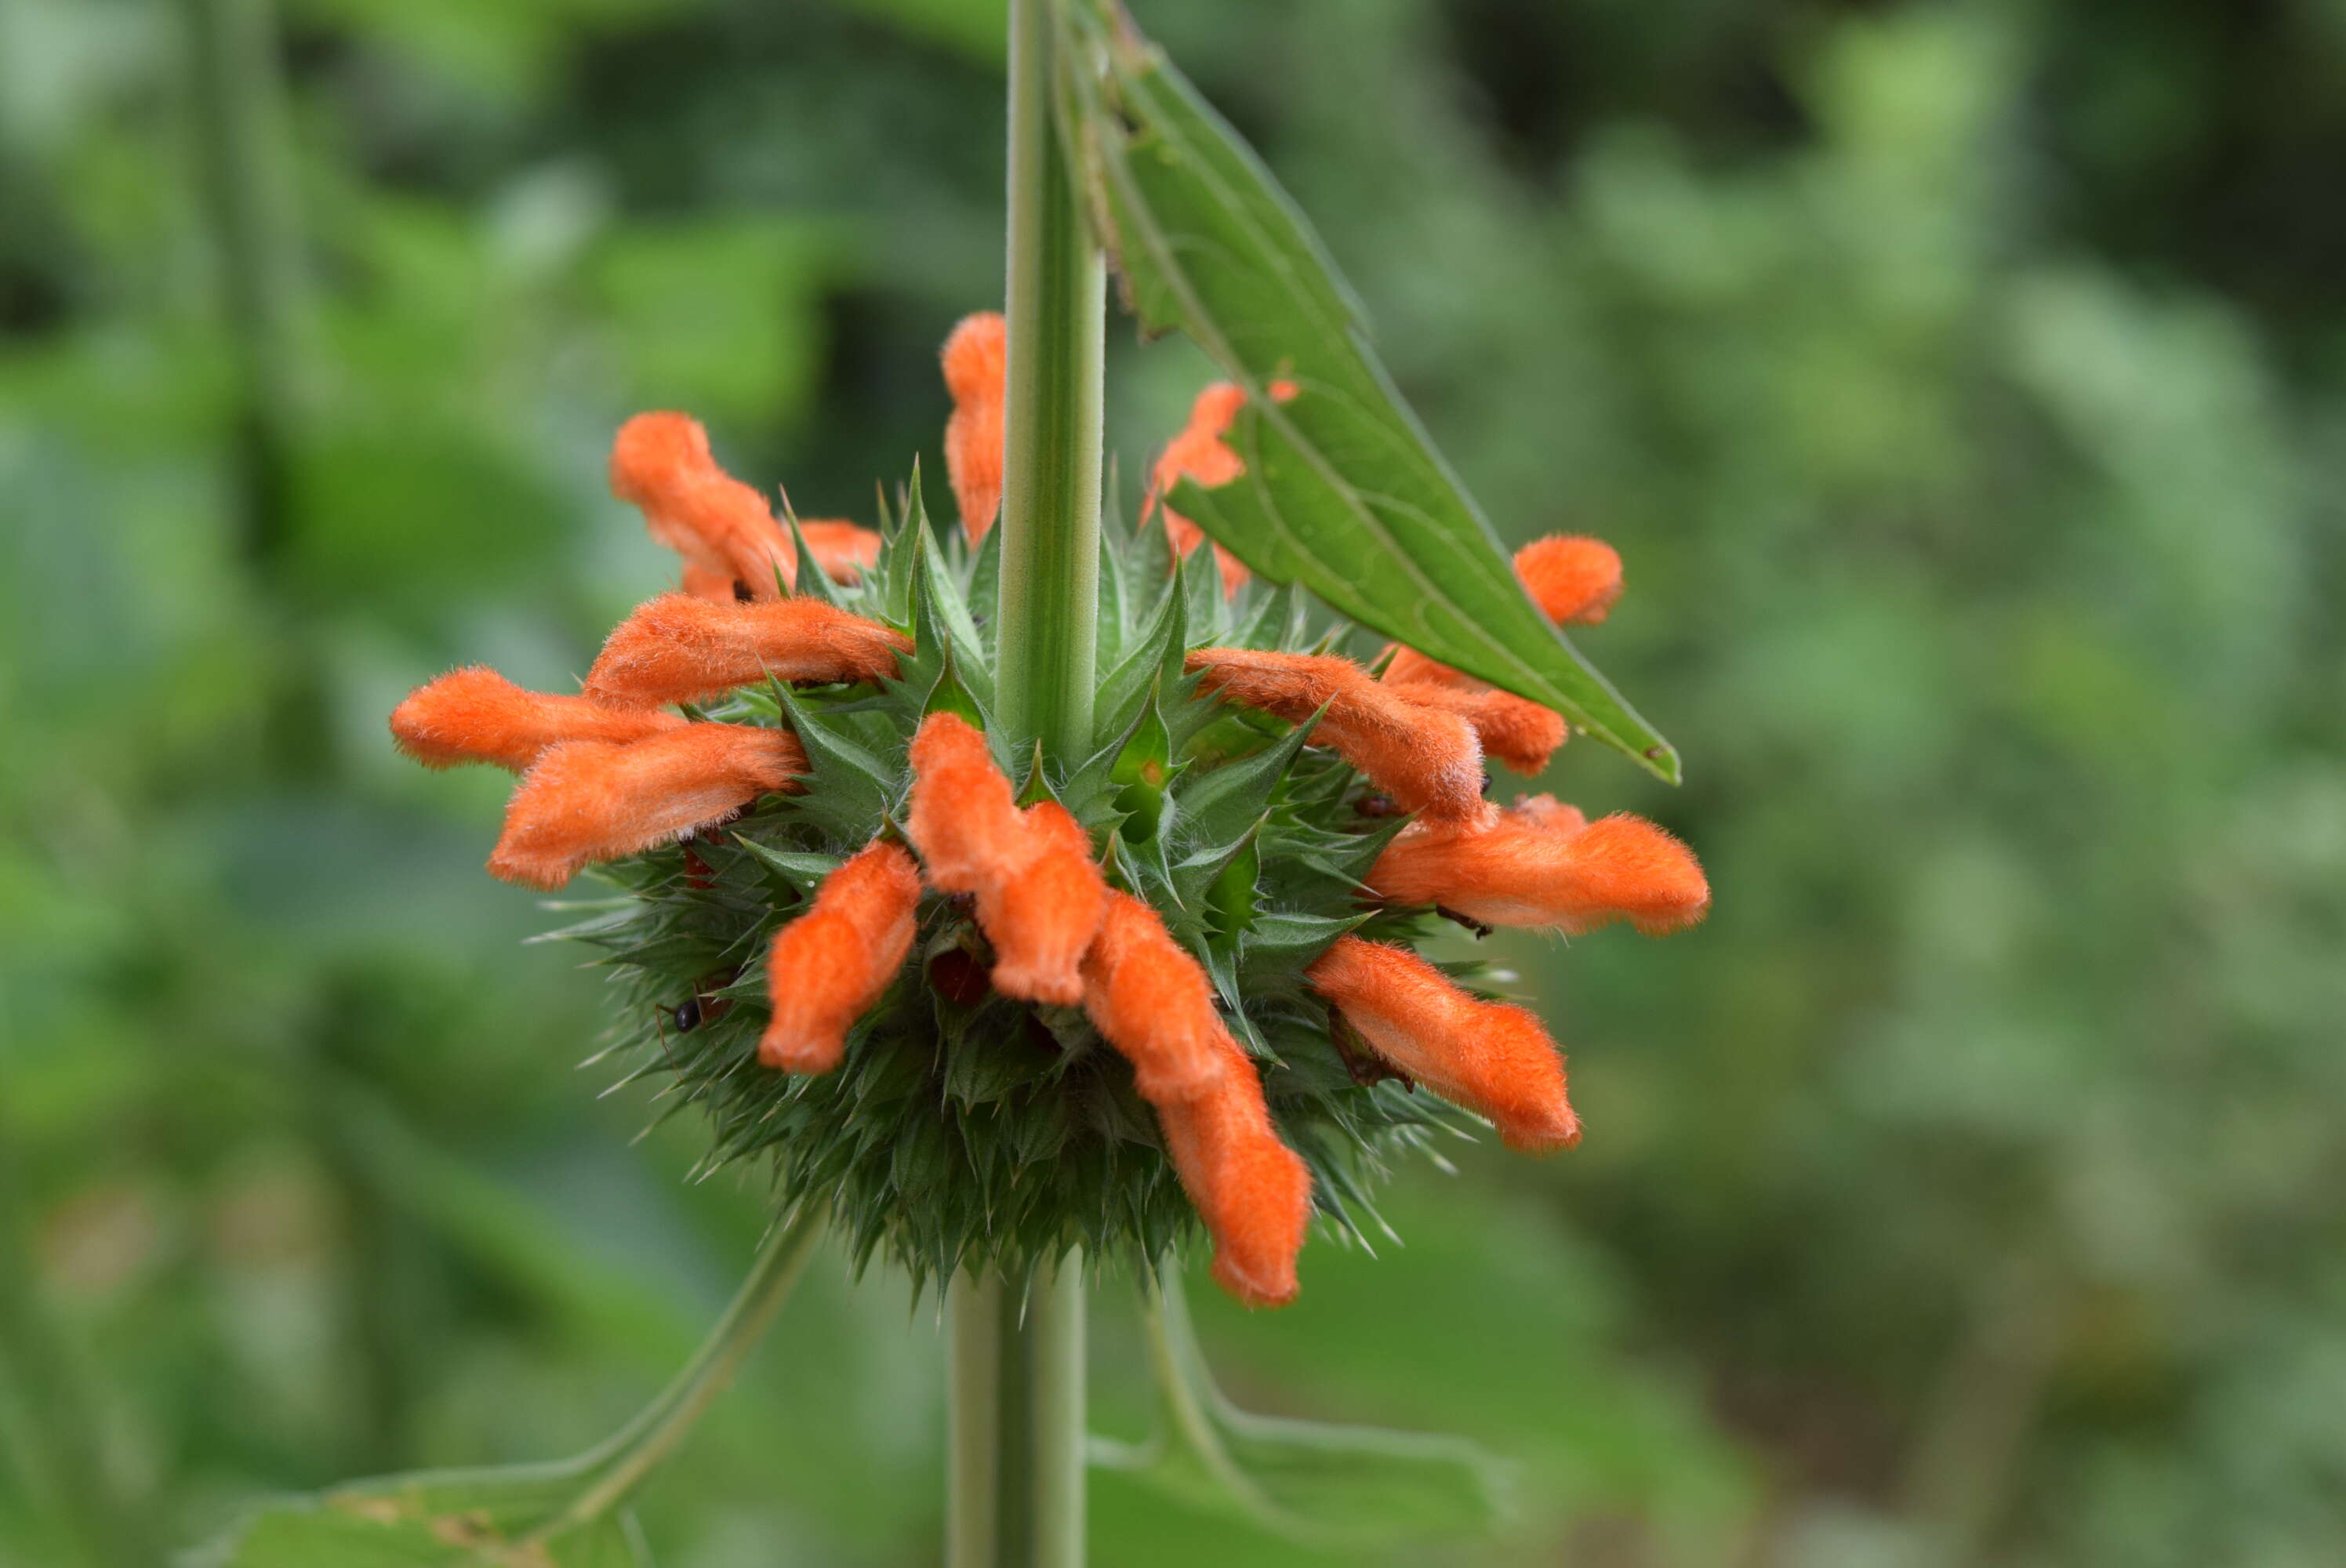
(1015, 1489)
(1050, 459)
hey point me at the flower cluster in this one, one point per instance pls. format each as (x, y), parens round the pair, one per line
(1002, 1004)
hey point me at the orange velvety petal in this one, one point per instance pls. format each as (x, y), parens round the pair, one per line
(661, 462)
(1518, 732)
(1042, 916)
(1427, 760)
(975, 359)
(1492, 1057)
(476, 715)
(1150, 1000)
(964, 818)
(1199, 452)
(830, 964)
(679, 649)
(587, 800)
(844, 551)
(1253, 1192)
(1574, 578)
(1539, 867)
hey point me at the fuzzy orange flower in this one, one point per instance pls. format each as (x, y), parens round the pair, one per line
(1543, 867)
(587, 800)
(963, 816)
(1426, 759)
(476, 715)
(661, 462)
(1573, 579)
(1513, 730)
(844, 550)
(976, 361)
(1252, 1191)
(830, 964)
(1150, 999)
(1199, 452)
(1042, 915)
(1492, 1057)
(679, 648)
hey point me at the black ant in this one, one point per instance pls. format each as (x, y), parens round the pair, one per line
(702, 1006)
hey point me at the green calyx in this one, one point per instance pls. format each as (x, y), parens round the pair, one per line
(964, 1128)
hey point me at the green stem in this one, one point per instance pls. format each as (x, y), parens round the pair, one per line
(617, 1465)
(1051, 458)
(1014, 1488)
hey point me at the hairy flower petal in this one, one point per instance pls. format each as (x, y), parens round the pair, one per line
(1042, 916)
(1252, 1191)
(1574, 578)
(1543, 868)
(476, 715)
(830, 964)
(679, 648)
(844, 550)
(1427, 760)
(588, 800)
(1199, 452)
(1492, 1057)
(963, 819)
(1513, 730)
(661, 462)
(975, 360)
(1150, 999)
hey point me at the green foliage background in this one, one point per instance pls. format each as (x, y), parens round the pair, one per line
(1966, 386)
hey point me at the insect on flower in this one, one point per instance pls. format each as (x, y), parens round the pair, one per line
(1013, 1001)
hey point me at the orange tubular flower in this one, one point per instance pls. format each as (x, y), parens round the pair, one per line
(679, 648)
(1518, 732)
(1540, 866)
(844, 551)
(476, 715)
(588, 800)
(1199, 452)
(976, 358)
(964, 818)
(1427, 760)
(830, 964)
(1150, 999)
(1574, 580)
(1253, 1192)
(1491, 1057)
(661, 462)
(1042, 916)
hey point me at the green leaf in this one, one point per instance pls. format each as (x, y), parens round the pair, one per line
(404, 1524)
(1323, 1486)
(1343, 490)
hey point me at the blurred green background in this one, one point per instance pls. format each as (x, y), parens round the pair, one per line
(1966, 386)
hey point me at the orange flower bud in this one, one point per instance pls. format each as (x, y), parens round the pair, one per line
(1199, 452)
(964, 818)
(1574, 578)
(1518, 732)
(701, 583)
(976, 359)
(1426, 759)
(1150, 999)
(476, 715)
(1539, 866)
(1548, 812)
(844, 550)
(1042, 916)
(679, 648)
(1252, 1191)
(661, 462)
(1491, 1057)
(588, 800)
(830, 964)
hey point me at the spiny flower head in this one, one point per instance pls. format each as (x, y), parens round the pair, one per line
(986, 1003)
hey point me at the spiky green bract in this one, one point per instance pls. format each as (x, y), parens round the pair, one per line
(964, 1127)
